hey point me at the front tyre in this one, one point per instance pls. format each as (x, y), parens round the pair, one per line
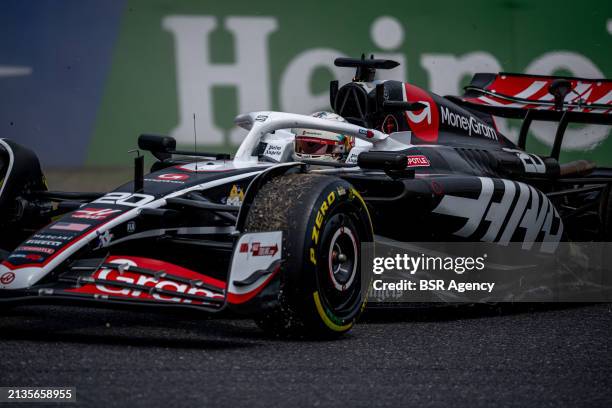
(324, 221)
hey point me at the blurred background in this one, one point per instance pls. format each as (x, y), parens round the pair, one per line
(81, 79)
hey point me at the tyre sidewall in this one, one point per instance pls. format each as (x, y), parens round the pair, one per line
(307, 247)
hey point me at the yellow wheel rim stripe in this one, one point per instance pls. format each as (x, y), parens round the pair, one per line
(326, 320)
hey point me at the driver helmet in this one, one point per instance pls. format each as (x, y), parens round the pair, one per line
(321, 144)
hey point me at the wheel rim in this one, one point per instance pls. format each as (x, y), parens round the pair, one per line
(342, 258)
(338, 278)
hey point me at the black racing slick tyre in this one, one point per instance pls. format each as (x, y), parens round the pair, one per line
(324, 221)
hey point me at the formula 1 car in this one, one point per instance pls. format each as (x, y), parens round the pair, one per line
(279, 239)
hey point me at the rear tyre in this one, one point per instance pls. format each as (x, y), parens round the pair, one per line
(324, 221)
(20, 175)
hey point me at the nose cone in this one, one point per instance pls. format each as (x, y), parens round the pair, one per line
(21, 278)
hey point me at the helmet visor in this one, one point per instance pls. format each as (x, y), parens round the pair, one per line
(315, 146)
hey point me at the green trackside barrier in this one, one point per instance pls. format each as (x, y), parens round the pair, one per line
(215, 59)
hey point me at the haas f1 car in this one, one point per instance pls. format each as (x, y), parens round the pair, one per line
(280, 239)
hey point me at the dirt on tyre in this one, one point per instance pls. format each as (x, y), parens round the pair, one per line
(324, 221)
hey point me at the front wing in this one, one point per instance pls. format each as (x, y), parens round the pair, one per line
(144, 281)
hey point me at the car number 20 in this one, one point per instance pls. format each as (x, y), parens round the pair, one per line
(127, 199)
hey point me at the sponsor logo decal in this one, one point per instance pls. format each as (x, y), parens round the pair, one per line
(521, 210)
(467, 123)
(260, 250)
(424, 123)
(418, 161)
(353, 155)
(176, 178)
(27, 257)
(235, 197)
(94, 213)
(44, 242)
(420, 117)
(389, 125)
(366, 132)
(173, 176)
(158, 282)
(261, 118)
(48, 251)
(130, 227)
(53, 237)
(104, 239)
(7, 278)
(69, 226)
(274, 151)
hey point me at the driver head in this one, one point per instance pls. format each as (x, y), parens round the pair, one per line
(320, 144)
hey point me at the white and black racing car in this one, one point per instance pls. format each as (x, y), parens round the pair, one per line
(280, 239)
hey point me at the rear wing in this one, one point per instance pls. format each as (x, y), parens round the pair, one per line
(537, 97)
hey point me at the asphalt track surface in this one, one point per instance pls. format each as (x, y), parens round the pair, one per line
(467, 357)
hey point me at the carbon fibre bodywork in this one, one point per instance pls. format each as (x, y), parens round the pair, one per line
(430, 168)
